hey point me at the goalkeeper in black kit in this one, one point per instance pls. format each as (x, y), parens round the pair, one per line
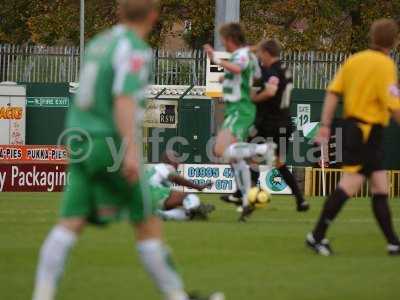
(273, 120)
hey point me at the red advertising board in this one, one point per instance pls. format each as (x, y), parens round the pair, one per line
(33, 177)
(33, 154)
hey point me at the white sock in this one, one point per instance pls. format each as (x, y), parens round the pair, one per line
(157, 262)
(243, 178)
(176, 214)
(51, 262)
(245, 150)
(191, 202)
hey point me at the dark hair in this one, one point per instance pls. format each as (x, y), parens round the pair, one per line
(233, 31)
(272, 47)
(135, 10)
(384, 33)
(170, 157)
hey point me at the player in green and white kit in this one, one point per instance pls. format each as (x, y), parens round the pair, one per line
(171, 204)
(240, 111)
(106, 168)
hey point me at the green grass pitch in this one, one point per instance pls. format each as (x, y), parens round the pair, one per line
(263, 259)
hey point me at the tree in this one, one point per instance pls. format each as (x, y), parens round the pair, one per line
(57, 22)
(315, 24)
(200, 13)
(14, 15)
(299, 24)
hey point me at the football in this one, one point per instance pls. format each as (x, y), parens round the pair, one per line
(259, 197)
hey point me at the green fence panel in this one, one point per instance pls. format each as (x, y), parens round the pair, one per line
(315, 99)
(195, 129)
(47, 105)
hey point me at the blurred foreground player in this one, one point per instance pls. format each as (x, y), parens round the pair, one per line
(175, 205)
(273, 121)
(240, 111)
(107, 112)
(368, 84)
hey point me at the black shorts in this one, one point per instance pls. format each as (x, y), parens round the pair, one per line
(280, 135)
(362, 147)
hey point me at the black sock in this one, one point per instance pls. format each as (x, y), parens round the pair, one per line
(238, 194)
(254, 176)
(383, 216)
(332, 207)
(291, 182)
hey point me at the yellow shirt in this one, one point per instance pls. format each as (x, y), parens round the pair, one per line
(368, 83)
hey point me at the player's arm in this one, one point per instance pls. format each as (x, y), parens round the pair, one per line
(187, 183)
(124, 115)
(229, 66)
(126, 89)
(389, 90)
(335, 89)
(396, 116)
(328, 113)
(270, 90)
(254, 48)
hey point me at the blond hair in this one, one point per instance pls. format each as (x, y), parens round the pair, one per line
(136, 10)
(233, 31)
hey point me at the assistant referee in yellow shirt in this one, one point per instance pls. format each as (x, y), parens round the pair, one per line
(368, 84)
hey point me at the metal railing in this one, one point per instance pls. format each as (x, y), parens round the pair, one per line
(395, 184)
(61, 64)
(38, 63)
(311, 69)
(332, 178)
(185, 67)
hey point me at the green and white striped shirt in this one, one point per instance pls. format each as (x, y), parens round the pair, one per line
(237, 87)
(117, 63)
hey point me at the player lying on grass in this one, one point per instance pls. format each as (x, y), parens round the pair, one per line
(368, 84)
(273, 121)
(107, 112)
(240, 112)
(175, 205)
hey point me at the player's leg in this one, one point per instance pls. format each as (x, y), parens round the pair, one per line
(236, 128)
(157, 259)
(349, 185)
(236, 197)
(153, 253)
(181, 206)
(281, 137)
(301, 204)
(288, 177)
(171, 208)
(241, 151)
(177, 199)
(381, 209)
(227, 146)
(52, 257)
(228, 143)
(282, 140)
(354, 161)
(225, 140)
(63, 236)
(175, 214)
